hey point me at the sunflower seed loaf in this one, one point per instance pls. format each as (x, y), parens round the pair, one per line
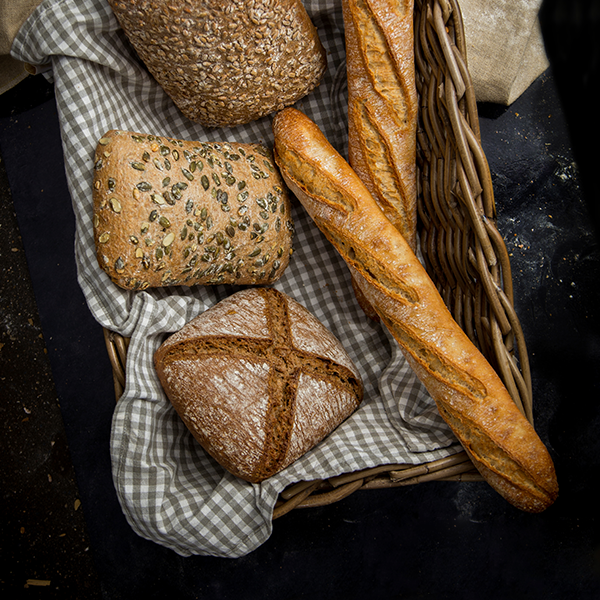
(226, 63)
(173, 212)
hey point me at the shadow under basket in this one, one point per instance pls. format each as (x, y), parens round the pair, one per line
(463, 251)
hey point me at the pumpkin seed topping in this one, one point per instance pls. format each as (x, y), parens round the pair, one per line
(115, 204)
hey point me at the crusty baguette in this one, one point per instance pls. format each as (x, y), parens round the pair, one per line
(226, 63)
(382, 105)
(176, 212)
(469, 394)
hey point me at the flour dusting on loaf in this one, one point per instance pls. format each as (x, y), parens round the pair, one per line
(258, 380)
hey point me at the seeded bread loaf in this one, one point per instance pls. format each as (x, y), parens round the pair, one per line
(173, 212)
(469, 394)
(226, 63)
(258, 381)
(382, 106)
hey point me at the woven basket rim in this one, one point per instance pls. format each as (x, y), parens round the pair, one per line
(446, 96)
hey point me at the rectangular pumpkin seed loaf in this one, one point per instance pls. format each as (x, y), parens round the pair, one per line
(173, 212)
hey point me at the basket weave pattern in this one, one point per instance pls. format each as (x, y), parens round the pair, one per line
(463, 251)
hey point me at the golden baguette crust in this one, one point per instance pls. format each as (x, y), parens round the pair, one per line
(469, 394)
(382, 106)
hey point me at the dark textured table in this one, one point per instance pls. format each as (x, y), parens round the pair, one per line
(63, 525)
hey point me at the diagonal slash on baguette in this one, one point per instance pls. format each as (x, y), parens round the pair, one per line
(468, 393)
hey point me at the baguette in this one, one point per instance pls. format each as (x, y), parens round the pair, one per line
(175, 212)
(468, 393)
(382, 106)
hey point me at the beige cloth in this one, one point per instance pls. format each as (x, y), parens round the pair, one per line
(505, 49)
(13, 13)
(504, 45)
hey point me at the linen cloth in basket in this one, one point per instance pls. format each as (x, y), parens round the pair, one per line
(170, 491)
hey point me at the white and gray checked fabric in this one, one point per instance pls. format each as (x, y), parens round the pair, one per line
(171, 492)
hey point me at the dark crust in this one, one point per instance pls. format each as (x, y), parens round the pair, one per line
(287, 364)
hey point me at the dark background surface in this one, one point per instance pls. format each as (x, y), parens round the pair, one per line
(62, 524)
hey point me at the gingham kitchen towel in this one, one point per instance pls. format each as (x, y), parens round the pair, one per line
(171, 492)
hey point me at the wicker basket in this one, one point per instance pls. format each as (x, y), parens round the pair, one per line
(463, 251)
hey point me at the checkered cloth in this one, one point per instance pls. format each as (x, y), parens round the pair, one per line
(172, 492)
